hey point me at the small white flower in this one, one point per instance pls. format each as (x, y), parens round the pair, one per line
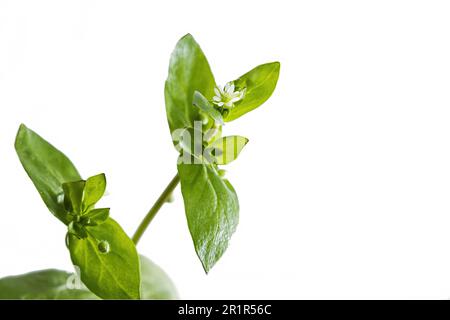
(226, 97)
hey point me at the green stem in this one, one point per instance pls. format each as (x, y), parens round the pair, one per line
(154, 210)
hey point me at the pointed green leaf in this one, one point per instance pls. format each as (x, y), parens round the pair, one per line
(97, 216)
(188, 71)
(203, 104)
(212, 210)
(44, 284)
(47, 167)
(111, 275)
(155, 283)
(73, 193)
(259, 84)
(94, 190)
(227, 149)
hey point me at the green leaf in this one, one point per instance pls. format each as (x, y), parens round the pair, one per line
(58, 284)
(212, 210)
(111, 275)
(188, 71)
(227, 149)
(94, 190)
(44, 284)
(201, 102)
(259, 84)
(155, 283)
(97, 216)
(77, 230)
(73, 193)
(47, 167)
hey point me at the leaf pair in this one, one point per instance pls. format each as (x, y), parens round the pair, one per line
(106, 256)
(80, 198)
(211, 203)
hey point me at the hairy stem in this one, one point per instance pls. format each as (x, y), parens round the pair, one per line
(165, 195)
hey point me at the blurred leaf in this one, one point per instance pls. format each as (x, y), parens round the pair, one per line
(155, 283)
(58, 284)
(44, 284)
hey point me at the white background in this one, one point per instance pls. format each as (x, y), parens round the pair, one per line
(344, 186)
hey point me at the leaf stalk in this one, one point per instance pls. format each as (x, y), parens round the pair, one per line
(163, 198)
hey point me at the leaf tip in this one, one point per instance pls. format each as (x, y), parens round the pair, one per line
(207, 262)
(187, 36)
(102, 176)
(20, 131)
(276, 67)
(22, 128)
(275, 64)
(206, 268)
